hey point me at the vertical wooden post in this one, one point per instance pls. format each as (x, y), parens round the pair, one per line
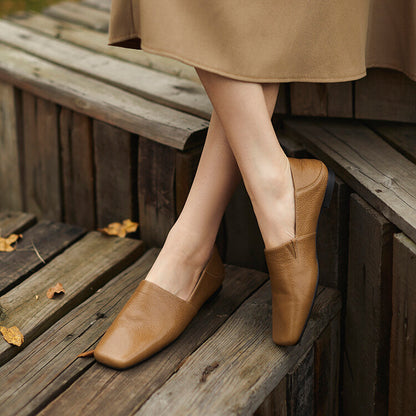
(402, 398)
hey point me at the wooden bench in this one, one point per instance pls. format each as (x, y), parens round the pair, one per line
(224, 363)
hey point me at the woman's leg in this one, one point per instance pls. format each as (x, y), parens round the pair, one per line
(264, 166)
(189, 243)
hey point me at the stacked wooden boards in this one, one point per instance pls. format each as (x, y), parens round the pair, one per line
(223, 363)
(376, 162)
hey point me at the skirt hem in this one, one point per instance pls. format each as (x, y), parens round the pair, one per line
(133, 41)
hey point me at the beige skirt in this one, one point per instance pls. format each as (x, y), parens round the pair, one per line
(260, 40)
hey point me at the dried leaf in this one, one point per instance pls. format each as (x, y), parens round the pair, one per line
(52, 291)
(5, 243)
(12, 335)
(86, 354)
(120, 229)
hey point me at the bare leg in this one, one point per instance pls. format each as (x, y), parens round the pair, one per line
(263, 164)
(189, 243)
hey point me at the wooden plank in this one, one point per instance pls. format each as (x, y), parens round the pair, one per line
(368, 315)
(118, 389)
(385, 94)
(242, 370)
(156, 191)
(50, 364)
(401, 136)
(97, 41)
(79, 13)
(369, 165)
(41, 158)
(82, 268)
(10, 181)
(101, 101)
(38, 246)
(275, 402)
(300, 386)
(99, 4)
(327, 370)
(115, 153)
(321, 99)
(402, 386)
(158, 87)
(15, 222)
(75, 132)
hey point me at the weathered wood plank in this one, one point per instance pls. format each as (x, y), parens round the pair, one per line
(77, 168)
(99, 4)
(79, 13)
(275, 402)
(369, 165)
(49, 364)
(48, 238)
(101, 101)
(158, 87)
(82, 268)
(119, 389)
(300, 385)
(327, 370)
(97, 41)
(402, 399)
(401, 136)
(41, 157)
(385, 94)
(368, 314)
(156, 191)
(15, 222)
(115, 153)
(10, 181)
(240, 370)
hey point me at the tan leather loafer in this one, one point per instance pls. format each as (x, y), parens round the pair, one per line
(153, 317)
(293, 266)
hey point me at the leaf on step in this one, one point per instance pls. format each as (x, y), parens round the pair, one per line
(52, 291)
(5, 243)
(120, 229)
(12, 335)
(86, 354)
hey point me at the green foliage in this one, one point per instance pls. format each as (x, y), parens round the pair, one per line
(12, 6)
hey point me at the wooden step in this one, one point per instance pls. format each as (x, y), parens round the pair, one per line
(228, 343)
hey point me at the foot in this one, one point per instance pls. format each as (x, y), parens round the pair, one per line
(179, 265)
(277, 219)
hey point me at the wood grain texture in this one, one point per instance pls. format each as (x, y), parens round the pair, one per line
(10, 180)
(115, 161)
(15, 222)
(97, 41)
(77, 168)
(79, 13)
(45, 239)
(402, 400)
(41, 157)
(385, 94)
(82, 268)
(241, 362)
(127, 390)
(162, 88)
(49, 364)
(99, 100)
(366, 163)
(368, 314)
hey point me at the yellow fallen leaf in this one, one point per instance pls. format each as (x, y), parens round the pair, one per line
(120, 229)
(86, 354)
(12, 335)
(5, 243)
(58, 288)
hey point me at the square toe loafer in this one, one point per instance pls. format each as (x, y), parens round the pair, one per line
(293, 266)
(153, 317)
